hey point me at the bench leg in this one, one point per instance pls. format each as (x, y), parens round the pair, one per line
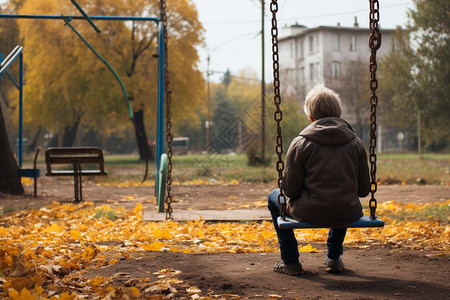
(77, 182)
(80, 186)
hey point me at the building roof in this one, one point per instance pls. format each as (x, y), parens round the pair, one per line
(306, 30)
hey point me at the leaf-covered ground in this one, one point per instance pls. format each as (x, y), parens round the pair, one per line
(56, 252)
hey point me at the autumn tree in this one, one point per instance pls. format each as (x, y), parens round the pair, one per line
(418, 76)
(70, 85)
(397, 77)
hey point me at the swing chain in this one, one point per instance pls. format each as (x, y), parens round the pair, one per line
(374, 45)
(278, 116)
(168, 100)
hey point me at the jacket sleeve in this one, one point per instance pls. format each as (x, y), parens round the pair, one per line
(363, 172)
(295, 169)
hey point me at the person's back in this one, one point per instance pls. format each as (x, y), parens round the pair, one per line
(322, 174)
(326, 173)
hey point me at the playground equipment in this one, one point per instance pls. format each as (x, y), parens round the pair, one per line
(162, 77)
(374, 44)
(4, 65)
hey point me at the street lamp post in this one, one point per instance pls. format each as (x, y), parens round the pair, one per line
(208, 104)
(263, 89)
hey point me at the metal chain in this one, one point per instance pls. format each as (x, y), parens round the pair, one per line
(168, 100)
(374, 45)
(278, 116)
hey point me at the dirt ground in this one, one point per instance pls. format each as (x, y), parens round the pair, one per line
(377, 272)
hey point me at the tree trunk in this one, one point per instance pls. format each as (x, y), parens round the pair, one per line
(70, 133)
(145, 152)
(68, 136)
(9, 177)
(32, 145)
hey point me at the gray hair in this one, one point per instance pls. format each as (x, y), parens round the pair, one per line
(322, 102)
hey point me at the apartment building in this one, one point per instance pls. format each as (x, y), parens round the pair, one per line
(337, 56)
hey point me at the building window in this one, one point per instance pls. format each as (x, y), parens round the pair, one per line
(336, 42)
(303, 48)
(317, 71)
(353, 43)
(302, 75)
(300, 53)
(317, 44)
(311, 44)
(335, 69)
(311, 72)
(292, 49)
(395, 45)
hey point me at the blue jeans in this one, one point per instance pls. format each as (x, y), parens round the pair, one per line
(288, 243)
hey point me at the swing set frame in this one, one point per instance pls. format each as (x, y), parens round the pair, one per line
(161, 54)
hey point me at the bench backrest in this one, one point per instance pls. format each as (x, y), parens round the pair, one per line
(74, 155)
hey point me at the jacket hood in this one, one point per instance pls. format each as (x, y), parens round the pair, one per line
(329, 131)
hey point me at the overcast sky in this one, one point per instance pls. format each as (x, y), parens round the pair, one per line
(232, 27)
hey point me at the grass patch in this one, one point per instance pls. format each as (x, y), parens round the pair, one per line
(108, 214)
(392, 168)
(438, 212)
(408, 169)
(10, 209)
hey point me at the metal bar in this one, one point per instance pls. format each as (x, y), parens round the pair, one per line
(21, 110)
(86, 16)
(160, 107)
(4, 61)
(101, 18)
(10, 59)
(12, 79)
(67, 20)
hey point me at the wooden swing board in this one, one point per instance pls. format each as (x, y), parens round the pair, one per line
(231, 215)
(364, 222)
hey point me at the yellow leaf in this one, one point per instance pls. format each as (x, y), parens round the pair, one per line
(112, 261)
(138, 208)
(13, 294)
(308, 248)
(96, 281)
(75, 234)
(26, 295)
(66, 296)
(268, 233)
(208, 244)
(161, 234)
(54, 228)
(155, 246)
(134, 291)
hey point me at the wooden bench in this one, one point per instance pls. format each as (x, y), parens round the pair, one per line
(76, 162)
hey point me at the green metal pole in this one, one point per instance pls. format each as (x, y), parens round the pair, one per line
(67, 20)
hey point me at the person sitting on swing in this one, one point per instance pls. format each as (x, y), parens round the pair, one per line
(326, 173)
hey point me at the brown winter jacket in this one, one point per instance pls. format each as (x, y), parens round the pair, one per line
(326, 173)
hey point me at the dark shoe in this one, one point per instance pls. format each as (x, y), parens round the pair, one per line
(334, 266)
(289, 269)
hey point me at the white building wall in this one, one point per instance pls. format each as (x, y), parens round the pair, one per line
(329, 55)
(307, 56)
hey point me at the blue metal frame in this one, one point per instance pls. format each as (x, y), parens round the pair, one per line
(5, 64)
(102, 18)
(160, 99)
(160, 111)
(363, 222)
